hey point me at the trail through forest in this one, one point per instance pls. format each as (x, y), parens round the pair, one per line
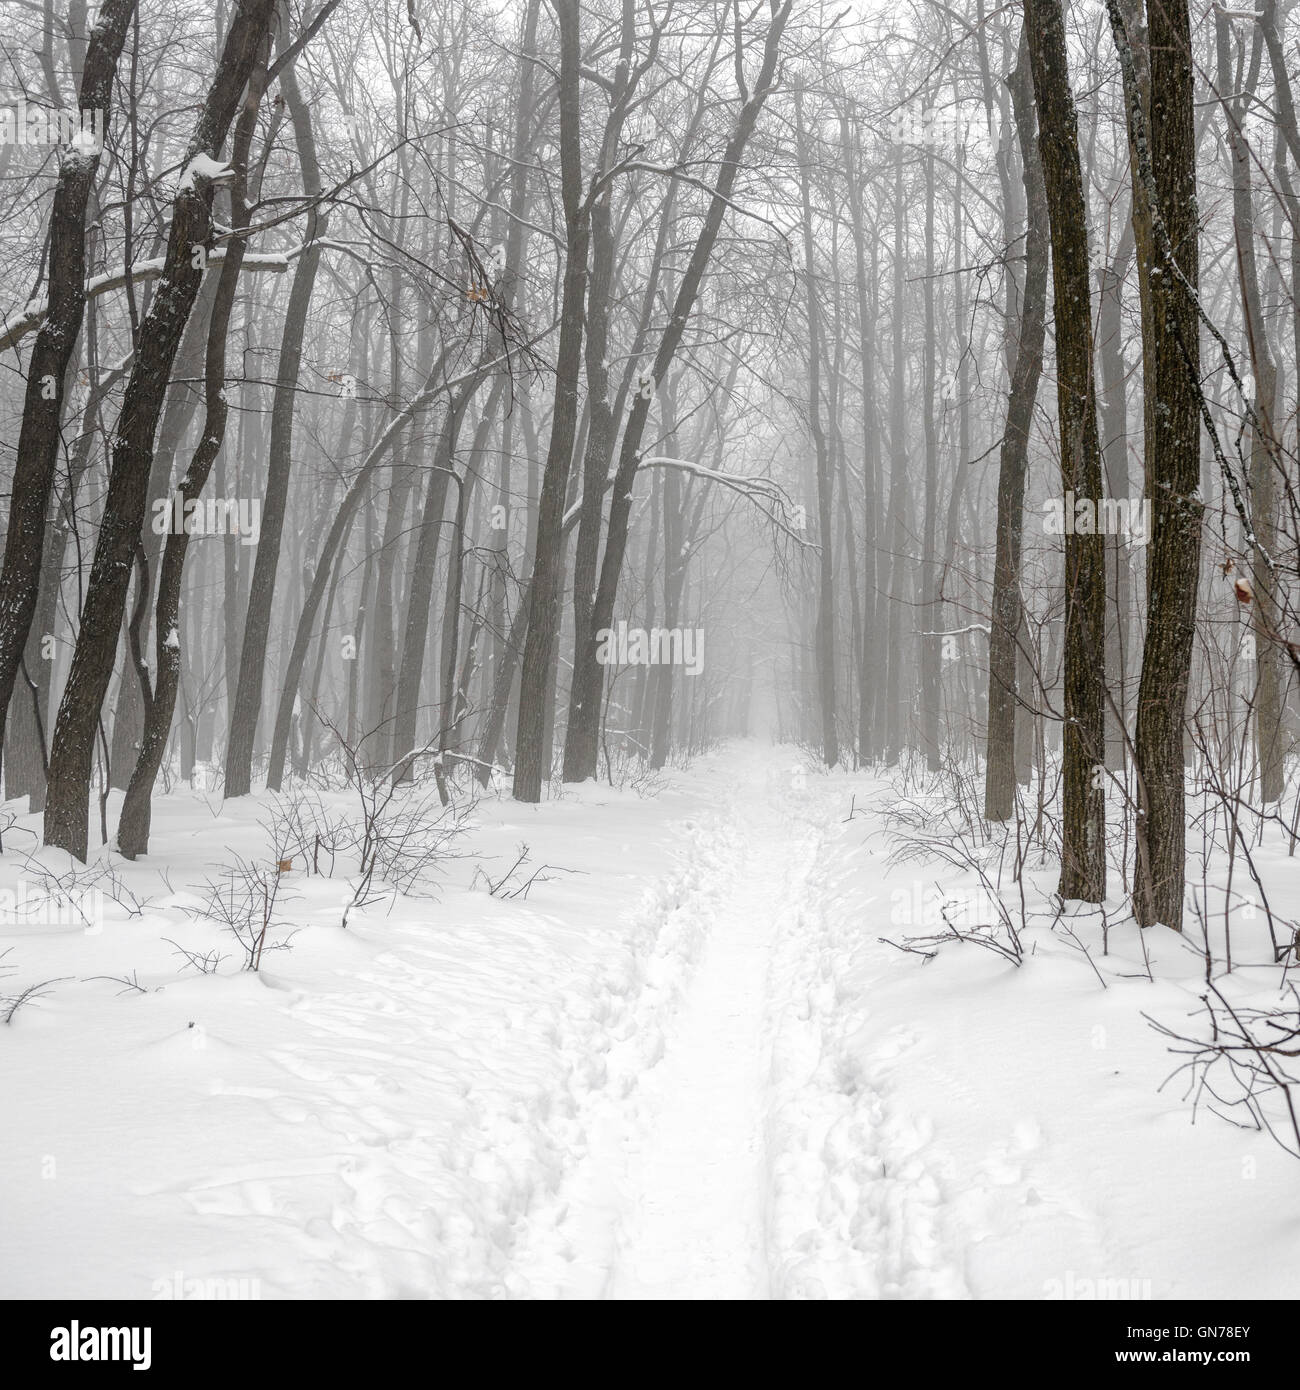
(649, 650)
(669, 1055)
(685, 1155)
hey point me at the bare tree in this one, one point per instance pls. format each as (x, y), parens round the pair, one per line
(47, 368)
(189, 240)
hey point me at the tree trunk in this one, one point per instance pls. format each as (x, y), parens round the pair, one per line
(546, 586)
(160, 704)
(47, 368)
(246, 714)
(132, 456)
(1083, 834)
(1007, 618)
(1167, 168)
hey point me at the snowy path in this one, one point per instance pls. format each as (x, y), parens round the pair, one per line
(743, 1143)
(680, 1169)
(699, 1183)
(682, 1066)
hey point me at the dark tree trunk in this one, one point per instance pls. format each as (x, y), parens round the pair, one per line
(132, 457)
(47, 368)
(1006, 622)
(160, 705)
(1083, 834)
(546, 587)
(1167, 169)
(183, 398)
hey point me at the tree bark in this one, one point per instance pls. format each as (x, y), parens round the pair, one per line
(1166, 156)
(1007, 618)
(160, 704)
(132, 456)
(1083, 835)
(38, 436)
(546, 586)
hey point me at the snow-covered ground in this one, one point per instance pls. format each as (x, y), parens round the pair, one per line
(681, 1063)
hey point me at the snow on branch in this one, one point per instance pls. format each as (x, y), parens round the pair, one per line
(760, 491)
(14, 329)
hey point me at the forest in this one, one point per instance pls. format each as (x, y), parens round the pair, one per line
(577, 567)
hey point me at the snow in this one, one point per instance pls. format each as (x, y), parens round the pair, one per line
(14, 328)
(683, 1064)
(203, 166)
